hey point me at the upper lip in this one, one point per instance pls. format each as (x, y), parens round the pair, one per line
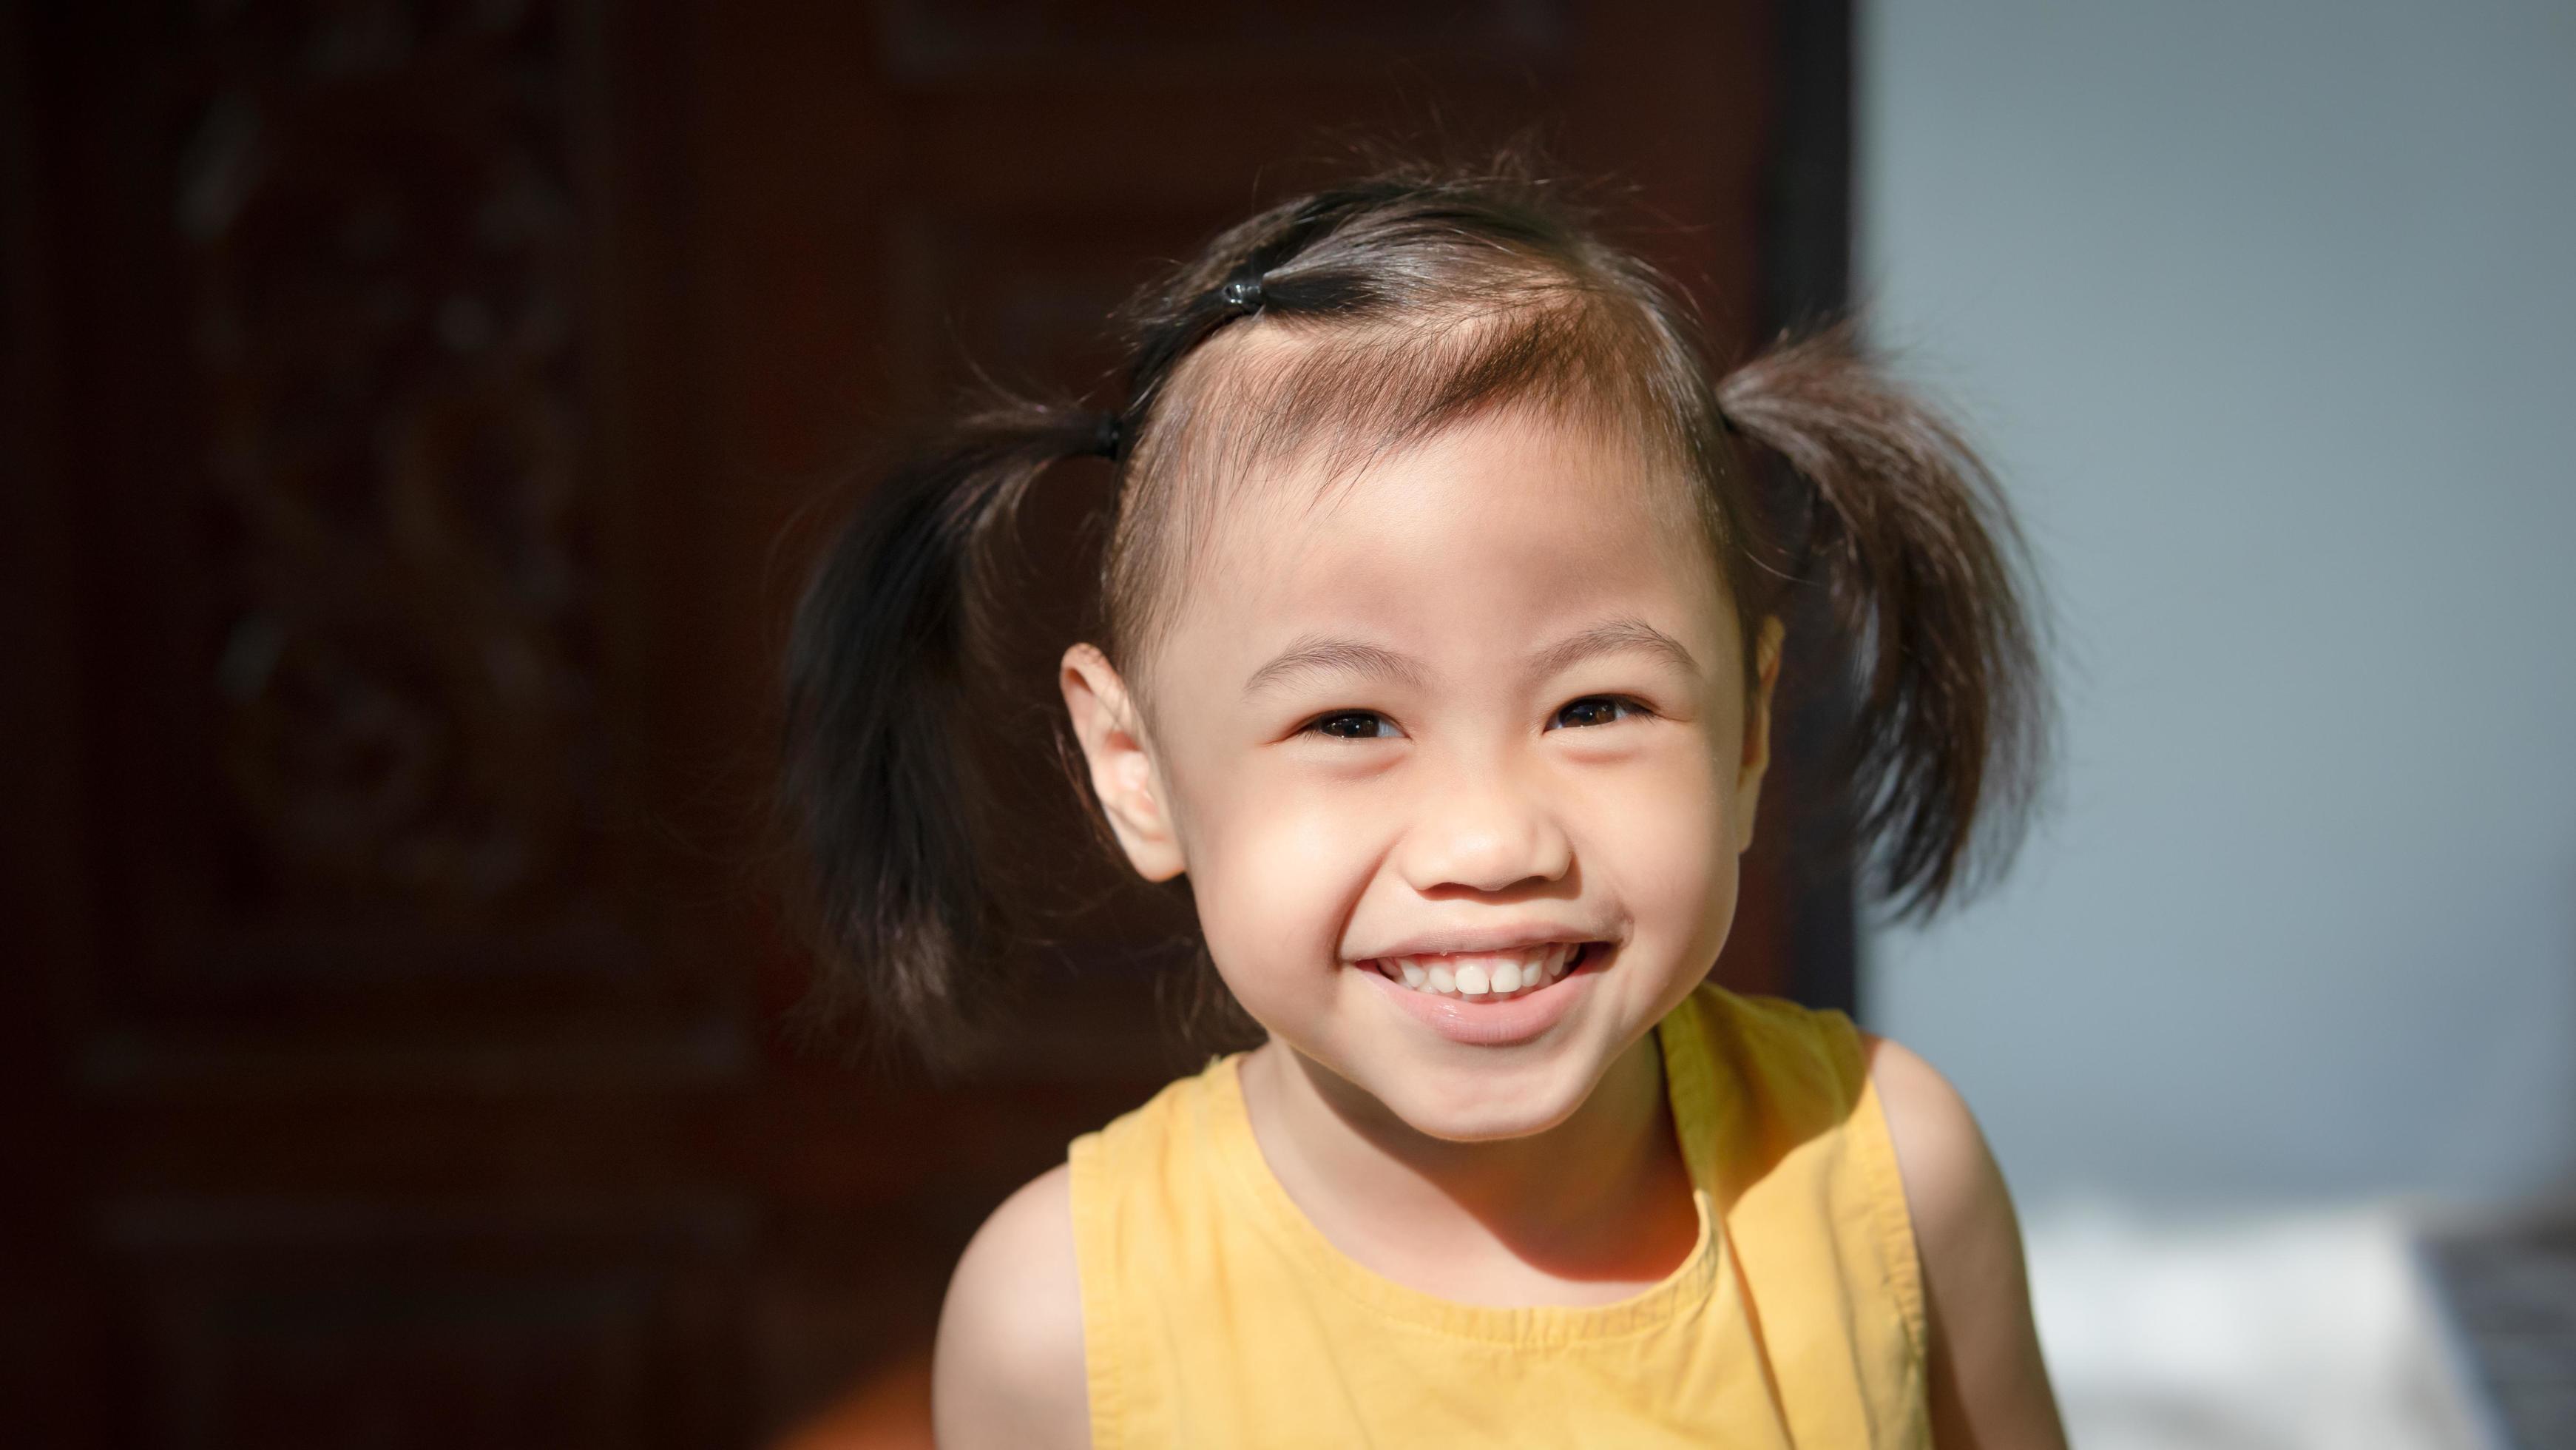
(1501, 937)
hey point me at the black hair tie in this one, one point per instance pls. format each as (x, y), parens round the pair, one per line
(1241, 293)
(1108, 437)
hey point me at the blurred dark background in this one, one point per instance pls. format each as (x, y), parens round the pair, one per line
(416, 416)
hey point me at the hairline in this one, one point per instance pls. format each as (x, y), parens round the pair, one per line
(1201, 457)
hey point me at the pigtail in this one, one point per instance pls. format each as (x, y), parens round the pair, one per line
(888, 649)
(1927, 573)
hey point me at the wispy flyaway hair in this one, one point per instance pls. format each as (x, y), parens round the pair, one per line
(1333, 331)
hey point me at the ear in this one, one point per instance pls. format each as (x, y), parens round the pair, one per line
(1122, 774)
(1757, 728)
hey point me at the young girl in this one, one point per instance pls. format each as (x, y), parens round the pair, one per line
(1440, 631)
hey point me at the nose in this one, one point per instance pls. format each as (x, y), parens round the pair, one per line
(1477, 828)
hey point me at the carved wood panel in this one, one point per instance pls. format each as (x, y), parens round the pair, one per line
(414, 396)
(308, 1324)
(341, 394)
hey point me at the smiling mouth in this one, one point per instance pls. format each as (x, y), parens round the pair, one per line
(1485, 976)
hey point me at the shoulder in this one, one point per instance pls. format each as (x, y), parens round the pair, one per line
(1953, 1188)
(1988, 1384)
(1009, 1366)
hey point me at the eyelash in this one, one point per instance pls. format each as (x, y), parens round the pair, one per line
(1618, 702)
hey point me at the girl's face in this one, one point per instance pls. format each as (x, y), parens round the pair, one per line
(1477, 715)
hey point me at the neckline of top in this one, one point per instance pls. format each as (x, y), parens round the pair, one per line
(1688, 1085)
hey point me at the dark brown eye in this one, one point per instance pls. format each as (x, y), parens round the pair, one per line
(1353, 725)
(1593, 710)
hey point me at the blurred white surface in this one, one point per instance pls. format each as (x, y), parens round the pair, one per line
(2277, 1331)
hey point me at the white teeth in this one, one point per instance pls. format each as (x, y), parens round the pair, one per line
(1482, 976)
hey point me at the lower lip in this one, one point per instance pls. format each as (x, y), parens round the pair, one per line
(1494, 1024)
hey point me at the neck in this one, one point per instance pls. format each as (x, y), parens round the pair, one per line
(1601, 1199)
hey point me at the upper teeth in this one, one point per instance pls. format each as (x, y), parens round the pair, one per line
(1484, 976)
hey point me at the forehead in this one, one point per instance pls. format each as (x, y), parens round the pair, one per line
(1475, 545)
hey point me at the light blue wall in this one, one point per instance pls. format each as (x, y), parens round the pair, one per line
(2269, 314)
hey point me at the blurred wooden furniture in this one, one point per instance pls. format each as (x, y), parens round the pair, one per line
(2508, 1284)
(403, 403)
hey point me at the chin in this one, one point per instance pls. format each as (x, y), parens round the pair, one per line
(1484, 1127)
(1483, 1106)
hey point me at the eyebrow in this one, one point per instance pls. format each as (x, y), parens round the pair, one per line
(1613, 638)
(1313, 655)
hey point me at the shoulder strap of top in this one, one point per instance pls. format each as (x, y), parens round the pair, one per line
(1123, 1221)
(1784, 1074)
(1794, 1080)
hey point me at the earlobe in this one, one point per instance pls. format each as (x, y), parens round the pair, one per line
(1122, 772)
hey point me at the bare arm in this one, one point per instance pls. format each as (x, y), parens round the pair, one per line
(1989, 1388)
(1008, 1369)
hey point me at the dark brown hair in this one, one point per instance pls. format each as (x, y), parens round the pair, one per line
(1344, 326)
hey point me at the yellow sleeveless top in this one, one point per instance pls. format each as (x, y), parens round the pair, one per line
(1215, 1314)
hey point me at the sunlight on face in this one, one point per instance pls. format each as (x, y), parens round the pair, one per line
(1487, 696)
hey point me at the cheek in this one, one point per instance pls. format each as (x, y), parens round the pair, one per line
(1275, 872)
(1662, 837)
